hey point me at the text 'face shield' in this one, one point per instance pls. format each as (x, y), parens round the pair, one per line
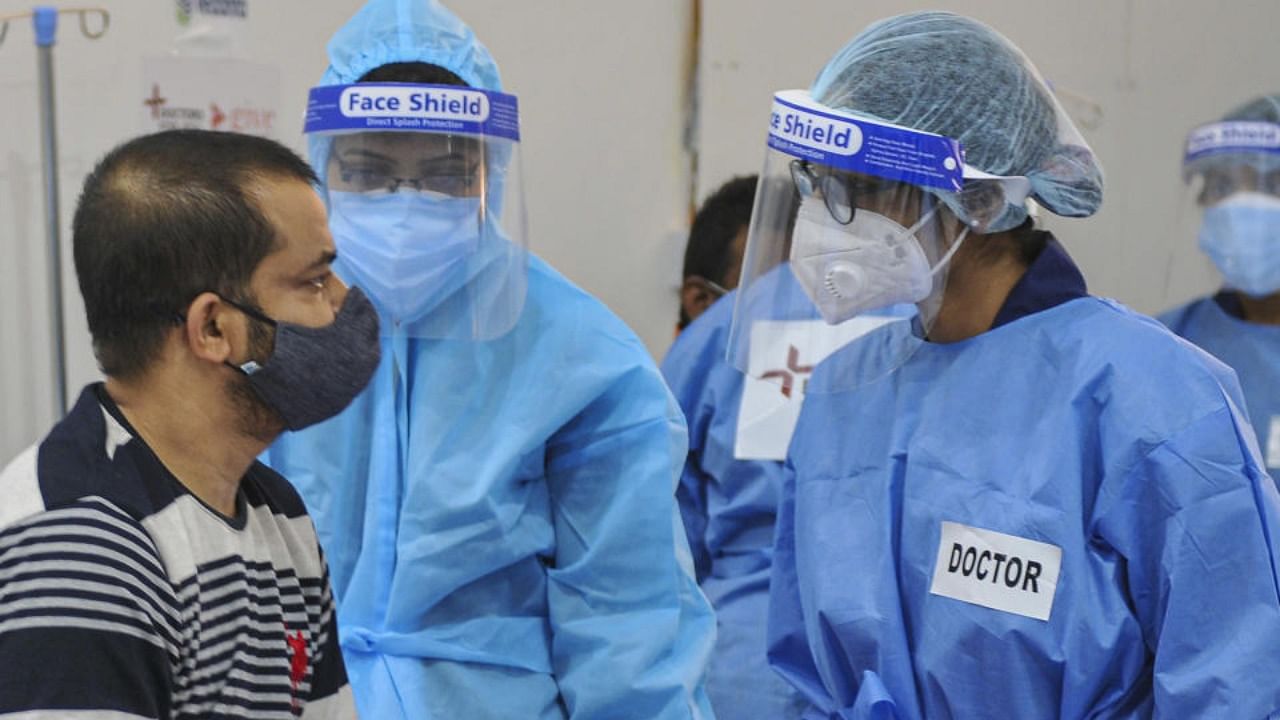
(426, 203)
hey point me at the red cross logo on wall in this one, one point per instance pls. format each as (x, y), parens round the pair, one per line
(216, 116)
(155, 101)
(793, 371)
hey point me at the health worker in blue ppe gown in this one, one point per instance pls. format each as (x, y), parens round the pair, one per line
(1233, 168)
(498, 507)
(727, 504)
(739, 429)
(1028, 502)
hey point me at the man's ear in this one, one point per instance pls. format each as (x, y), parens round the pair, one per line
(695, 296)
(210, 327)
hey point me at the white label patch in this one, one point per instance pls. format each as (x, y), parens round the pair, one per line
(1273, 443)
(784, 353)
(999, 571)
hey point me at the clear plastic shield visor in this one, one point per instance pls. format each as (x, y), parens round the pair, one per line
(1231, 206)
(851, 236)
(426, 203)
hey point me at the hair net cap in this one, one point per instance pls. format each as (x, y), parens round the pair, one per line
(1265, 108)
(943, 73)
(395, 31)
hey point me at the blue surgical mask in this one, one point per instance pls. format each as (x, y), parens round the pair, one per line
(1242, 236)
(408, 250)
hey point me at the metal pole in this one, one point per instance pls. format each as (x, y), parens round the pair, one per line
(45, 20)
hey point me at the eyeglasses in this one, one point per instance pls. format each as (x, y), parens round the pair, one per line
(1219, 184)
(840, 191)
(359, 177)
(716, 289)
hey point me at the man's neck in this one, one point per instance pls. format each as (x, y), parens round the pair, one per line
(193, 432)
(1263, 310)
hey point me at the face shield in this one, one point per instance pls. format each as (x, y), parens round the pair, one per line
(425, 203)
(1232, 174)
(855, 222)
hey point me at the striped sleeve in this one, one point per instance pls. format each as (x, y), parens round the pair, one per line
(331, 697)
(88, 619)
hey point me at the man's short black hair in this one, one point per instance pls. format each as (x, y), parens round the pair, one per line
(163, 218)
(722, 216)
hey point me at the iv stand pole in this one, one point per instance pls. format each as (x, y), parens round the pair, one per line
(45, 20)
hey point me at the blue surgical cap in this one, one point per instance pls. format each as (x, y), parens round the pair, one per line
(943, 73)
(402, 31)
(1260, 109)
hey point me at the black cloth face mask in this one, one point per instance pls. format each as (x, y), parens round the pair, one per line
(314, 373)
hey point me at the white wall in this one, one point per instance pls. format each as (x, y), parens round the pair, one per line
(602, 92)
(1155, 67)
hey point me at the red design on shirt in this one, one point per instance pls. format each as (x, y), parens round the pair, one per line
(297, 657)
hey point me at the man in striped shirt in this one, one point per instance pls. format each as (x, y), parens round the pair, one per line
(149, 566)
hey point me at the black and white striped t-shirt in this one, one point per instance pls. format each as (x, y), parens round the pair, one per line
(124, 596)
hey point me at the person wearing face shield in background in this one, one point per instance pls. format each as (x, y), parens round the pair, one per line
(727, 504)
(998, 509)
(1236, 163)
(498, 507)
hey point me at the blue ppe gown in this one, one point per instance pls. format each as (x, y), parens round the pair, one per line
(501, 527)
(728, 506)
(1082, 432)
(1251, 349)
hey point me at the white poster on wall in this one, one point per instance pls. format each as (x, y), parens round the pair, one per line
(210, 94)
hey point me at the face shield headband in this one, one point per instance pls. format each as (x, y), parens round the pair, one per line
(812, 132)
(404, 107)
(1224, 142)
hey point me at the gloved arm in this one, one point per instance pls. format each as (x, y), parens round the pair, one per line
(631, 631)
(1198, 521)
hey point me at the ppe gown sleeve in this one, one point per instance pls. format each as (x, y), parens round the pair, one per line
(1196, 521)
(691, 497)
(788, 644)
(686, 369)
(631, 631)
